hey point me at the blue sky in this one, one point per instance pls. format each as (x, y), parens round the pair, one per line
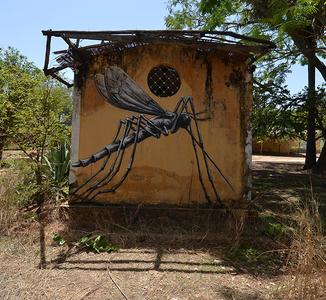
(21, 22)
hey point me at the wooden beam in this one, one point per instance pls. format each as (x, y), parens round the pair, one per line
(107, 35)
(68, 41)
(56, 69)
(57, 77)
(47, 54)
(203, 44)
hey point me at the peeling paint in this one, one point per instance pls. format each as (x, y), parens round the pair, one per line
(248, 151)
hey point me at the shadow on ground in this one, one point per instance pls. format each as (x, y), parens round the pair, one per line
(238, 244)
(277, 185)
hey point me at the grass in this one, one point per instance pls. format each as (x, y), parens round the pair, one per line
(306, 261)
(16, 190)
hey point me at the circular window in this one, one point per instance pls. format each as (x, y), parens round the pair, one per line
(163, 81)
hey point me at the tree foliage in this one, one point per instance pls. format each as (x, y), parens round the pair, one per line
(35, 115)
(297, 27)
(281, 115)
(34, 110)
(18, 78)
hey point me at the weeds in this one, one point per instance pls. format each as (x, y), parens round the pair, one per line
(15, 192)
(275, 228)
(19, 189)
(254, 259)
(97, 244)
(306, 261)
(89, 243)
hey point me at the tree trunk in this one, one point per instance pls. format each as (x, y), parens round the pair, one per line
(320, 166)
(311, 121)
(40, 215)
(2, 145)
(3, 138)
(42, 264)
(300, 40)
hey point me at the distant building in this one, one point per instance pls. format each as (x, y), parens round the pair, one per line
(283, 147)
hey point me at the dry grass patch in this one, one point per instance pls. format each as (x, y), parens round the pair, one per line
(10, 214)
(306, 262)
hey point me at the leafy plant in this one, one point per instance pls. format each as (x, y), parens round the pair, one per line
(58, 239)
(274, 229)
(57, 162)
(97, 244)
(251, 256)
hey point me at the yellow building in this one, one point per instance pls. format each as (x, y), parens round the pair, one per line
(212, 68)
(283, 147)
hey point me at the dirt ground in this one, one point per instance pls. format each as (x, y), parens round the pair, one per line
(156, 272)
(140, 273)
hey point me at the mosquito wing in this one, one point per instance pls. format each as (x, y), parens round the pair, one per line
(120, 90)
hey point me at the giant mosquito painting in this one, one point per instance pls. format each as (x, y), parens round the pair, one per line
(121, 91)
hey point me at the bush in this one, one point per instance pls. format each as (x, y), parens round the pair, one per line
(19, 189)
(16, 190)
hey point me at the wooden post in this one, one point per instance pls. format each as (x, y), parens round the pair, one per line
(47, 54)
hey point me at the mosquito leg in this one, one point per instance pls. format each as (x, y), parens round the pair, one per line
(201, 145)
(148, 126)
(104, 163)
(123, 178)
(118, 157)
(138, 127)
(212, 161)
(199, 171)
(149, 121)
(142, 125)
(181, 101)
(180, 107)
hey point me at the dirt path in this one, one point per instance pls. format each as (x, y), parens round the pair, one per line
(277, 159)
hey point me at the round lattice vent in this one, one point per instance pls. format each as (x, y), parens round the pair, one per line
(163, 81)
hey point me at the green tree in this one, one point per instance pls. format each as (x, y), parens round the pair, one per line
(299, 23)
(35, 115)
(18, 77)
(297, 27)
(38, 125)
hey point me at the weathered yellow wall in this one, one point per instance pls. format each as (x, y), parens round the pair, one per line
(165, 170)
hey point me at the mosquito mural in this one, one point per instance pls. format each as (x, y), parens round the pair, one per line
(121, 91)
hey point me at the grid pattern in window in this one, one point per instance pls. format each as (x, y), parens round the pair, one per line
(163, 81)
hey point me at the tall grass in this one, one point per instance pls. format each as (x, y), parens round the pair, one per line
(9, 206)
(306, 261)
(17, 188)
